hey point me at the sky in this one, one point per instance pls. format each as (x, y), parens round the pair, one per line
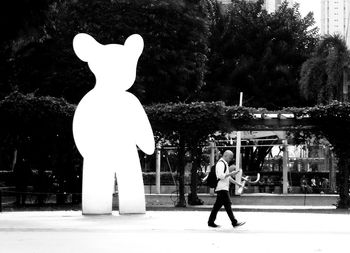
(311, 5)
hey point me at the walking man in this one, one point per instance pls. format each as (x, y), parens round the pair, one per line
(222, 189)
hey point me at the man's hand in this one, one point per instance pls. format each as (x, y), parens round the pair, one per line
(232, 168)
(233, 173)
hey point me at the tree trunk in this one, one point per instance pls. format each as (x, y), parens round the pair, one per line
(344, 198)
(193, 197)
(14, 160)
(41, 187)
(181, 173)
(61, 168)
(60, 195)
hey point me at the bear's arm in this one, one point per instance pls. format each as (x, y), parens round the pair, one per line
(143, 131)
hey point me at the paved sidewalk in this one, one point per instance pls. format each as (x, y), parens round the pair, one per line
(171, 207)
(69, 231)
(205, 208)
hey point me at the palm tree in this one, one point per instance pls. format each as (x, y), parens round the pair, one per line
(322, 74)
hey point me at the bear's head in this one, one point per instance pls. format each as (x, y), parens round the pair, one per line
(113, 65)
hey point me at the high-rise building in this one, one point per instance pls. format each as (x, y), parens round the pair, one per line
(269, 5)
(335, 18)
(225, 1)
(273, 5)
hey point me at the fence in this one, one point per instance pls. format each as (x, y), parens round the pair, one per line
(281, 172)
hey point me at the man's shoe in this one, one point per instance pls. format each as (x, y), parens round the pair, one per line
(213, 225)
(238, 224)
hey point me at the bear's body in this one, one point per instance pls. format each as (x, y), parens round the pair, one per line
(108, 124)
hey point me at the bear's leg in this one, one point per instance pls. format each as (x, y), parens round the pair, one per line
(98, 187)
(131, 193)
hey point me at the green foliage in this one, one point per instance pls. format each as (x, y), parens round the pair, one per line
(20, 23)
(258, 53)
(193, 122)
(331, 121)
(27, 114)
(40, 128)
(322, 74)
(18, 15)
(171, 67)
(334, 121)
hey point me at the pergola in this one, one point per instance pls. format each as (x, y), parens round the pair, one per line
(267, 121)
(276, 121)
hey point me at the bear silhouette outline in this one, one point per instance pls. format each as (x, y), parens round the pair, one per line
(108, 124)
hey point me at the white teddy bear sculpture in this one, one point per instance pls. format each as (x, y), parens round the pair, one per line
(108, 124)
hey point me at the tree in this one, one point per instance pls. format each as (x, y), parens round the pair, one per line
(258, 53)
(18, 17)
(20, 23)
(333, 122)
(322, 74)
(40, 129)
(171, 67)
(187, 126)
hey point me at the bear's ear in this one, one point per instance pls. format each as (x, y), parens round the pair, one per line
(84, 46)
(135, 44)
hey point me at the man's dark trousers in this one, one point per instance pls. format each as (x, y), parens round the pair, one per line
(222, 199)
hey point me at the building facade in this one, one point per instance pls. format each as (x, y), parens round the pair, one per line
(269, 5)
(273, 5)
(335, 18)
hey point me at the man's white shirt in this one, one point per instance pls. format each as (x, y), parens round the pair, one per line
(224, 182)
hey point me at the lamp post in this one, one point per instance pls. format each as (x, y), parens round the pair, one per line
(238, 150)
(346, 83)
(158, 161)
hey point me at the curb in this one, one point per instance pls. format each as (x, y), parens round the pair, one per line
(279, 209)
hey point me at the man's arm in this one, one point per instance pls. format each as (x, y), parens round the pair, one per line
(235, 182)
